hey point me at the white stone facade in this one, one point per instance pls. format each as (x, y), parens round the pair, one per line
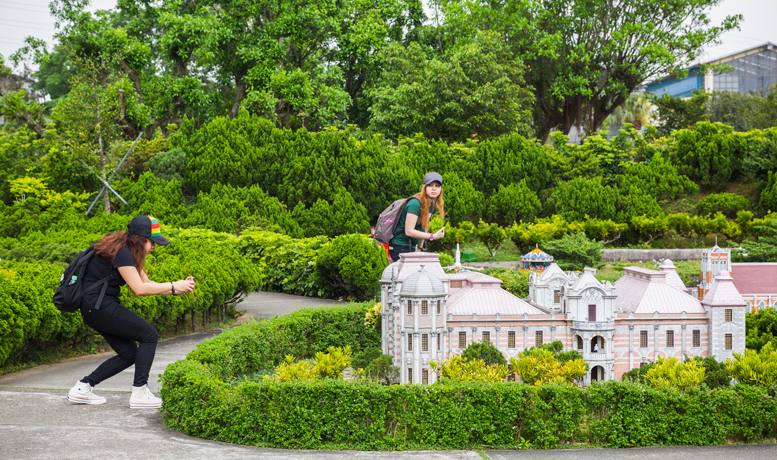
(615, 327)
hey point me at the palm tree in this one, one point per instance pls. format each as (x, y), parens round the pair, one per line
(636, 110)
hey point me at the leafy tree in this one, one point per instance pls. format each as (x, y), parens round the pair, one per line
(474, 89)
(763, 114)
(584, 59)
(732, 108)
(606, 231)
(581, 197)
(460, 234)
(762, 159)
(458, 369)
(715, 373)
(513, 203)
(492, 235)
(527, 234)
(680, 113)
(727, 203)
(484, 351)
(575, 251)
(650, 227)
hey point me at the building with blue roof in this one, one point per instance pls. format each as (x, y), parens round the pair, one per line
(753, 69)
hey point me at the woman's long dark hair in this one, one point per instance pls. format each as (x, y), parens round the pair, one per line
(110, 244)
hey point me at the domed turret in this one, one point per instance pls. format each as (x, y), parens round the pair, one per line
(422, 284)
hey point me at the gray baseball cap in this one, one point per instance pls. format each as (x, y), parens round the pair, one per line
(432, 177)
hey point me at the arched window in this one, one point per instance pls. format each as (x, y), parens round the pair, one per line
(579, 343)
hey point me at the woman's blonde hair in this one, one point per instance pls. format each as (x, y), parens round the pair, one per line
(427, 204)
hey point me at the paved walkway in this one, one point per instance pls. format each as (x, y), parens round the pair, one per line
(37, 422)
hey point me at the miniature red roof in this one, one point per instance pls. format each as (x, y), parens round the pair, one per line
(751, 278)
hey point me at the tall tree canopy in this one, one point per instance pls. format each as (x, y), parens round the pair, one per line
(584, 57)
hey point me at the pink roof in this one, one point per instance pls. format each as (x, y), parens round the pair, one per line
(646, 291)
(672, 278)
(752, 278)
(723, 293)
(485, 297)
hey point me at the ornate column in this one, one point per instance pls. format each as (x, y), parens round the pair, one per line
(631, 346)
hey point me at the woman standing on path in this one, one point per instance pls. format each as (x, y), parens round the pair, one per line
(122, 255)
(413, 226)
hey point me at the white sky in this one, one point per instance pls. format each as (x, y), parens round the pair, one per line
(22, 18)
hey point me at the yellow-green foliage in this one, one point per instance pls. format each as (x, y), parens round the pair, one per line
(331, 365)
(458, 369)
(755, 367)
(328, 366)
(538, 366)
(671, 373)
(289, 370)
(372, 316)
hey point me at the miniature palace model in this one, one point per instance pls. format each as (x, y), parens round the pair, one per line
(429, 315)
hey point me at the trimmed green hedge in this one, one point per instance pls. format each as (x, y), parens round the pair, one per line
(208, 395)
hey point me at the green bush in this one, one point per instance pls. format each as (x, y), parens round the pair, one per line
(363, 359)
(727, 203)
(512, 281)
(575, 251)
(352, 266)
(168, 165)
(484, 351)
(513, 203)
(233, 209)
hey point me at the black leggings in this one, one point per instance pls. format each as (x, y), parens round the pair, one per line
(395, 250)
(122, 328)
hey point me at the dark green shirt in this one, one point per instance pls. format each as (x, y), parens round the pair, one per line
(413, 206)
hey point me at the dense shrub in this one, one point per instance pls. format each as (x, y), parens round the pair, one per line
(352, 265)
(727, 203)
(484, 351)
(575, 251)
(513, 203)
(233, 209)
(582, 198)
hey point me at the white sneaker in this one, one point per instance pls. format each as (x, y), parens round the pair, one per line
(82, 393)
(143, 398)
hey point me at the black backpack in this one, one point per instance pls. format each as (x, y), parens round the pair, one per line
(68, 296)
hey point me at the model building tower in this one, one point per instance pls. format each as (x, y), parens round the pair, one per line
(726, 311)
(713, 261)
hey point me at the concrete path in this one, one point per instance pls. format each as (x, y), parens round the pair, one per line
(37, 422)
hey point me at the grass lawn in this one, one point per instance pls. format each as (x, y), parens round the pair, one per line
(508, 252)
